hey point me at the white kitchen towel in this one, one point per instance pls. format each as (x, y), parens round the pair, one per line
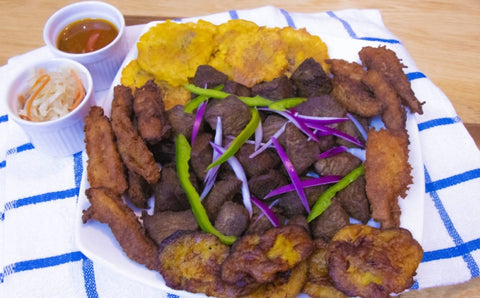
(38, 194)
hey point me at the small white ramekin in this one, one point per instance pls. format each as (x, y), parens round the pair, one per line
(59, 137)
(104, 63)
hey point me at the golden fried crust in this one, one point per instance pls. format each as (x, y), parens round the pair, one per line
(262, 257)
(104, 165)
(133, 150)
(394, 114)
(369, 262)
(386, 62)
(150, 112)
(318, 282)
(387, 174)
(349, 90)
(107, 207)
(191, 261)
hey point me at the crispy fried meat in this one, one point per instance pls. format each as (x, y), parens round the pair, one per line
(150, 112)
(139, 191)
(369, 262)
(258, 258)
(133, 150)
(387, 174)
(387, 63)
(108, 207)
(349, 90)
(104, 165)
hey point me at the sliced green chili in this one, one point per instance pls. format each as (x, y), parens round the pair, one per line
(239, 140)
(195, 103)
(325, 199)
(255, 101)
(182, 152)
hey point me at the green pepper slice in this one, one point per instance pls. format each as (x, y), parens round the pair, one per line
(325, 199)
(183, 152)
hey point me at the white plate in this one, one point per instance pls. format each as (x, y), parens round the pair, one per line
(97, 242)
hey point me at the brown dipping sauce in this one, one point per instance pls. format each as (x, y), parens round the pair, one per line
(86, 35)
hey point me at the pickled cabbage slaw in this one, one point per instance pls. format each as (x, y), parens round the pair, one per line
(50, 94)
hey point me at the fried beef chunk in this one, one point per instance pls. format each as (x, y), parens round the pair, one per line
(150, 112)
(310, 79)
(208, 77)
(232, 219)
(169, 194)
(237, 89)
(340, 164)
(222, 191)
(354, 201)
(275, 89)
(132, 148)
(387, 63)
(369, 262)
(302, 153)
(108, 207)
(181, 123)
(163, 224)
(201, 155)
(104, 165)
(260, 164)
(257, 258)
(198, 270)
(139, 191)
(232, 123)
(330, 221)
(321, 106)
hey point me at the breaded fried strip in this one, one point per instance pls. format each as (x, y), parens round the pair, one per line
(104, 166)
(387, 174)
(150, 112)
(386, 62)
(133, 150)
(394, 116)
(107, 207)
(349, 90)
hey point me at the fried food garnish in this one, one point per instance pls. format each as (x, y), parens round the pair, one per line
(287, 285)
(369, 262)
(104, 165)
(261, 257)
(318, 283)
(350, 91)
(387, 63)
(108, 207)
(150, 112)
(387, 174)
(191, 261)
(133, 150)
(172, 51)
(394, 115)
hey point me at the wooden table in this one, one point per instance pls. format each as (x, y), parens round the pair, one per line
(442, 36)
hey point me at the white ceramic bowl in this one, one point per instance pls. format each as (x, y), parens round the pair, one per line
(104, 63)
(60, 137)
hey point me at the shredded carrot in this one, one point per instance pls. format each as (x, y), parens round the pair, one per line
(42, 80)
(80, 92)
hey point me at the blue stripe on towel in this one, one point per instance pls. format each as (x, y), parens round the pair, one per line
(3, 164)
(352, 33)
(24, 147)
(438, 122)
(415, 75)
(433, 186)
(451, 252)
(78, 168)
(3, 118)
(233, 14)
(452, 231)
(51, 196)
(41, 263)
(89, 278)
(288, 18)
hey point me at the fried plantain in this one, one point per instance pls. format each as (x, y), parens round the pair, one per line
(261, 257)
(368, 262)
(191, 261)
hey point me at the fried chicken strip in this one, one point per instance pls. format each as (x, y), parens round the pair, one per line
(349, 90)
(387, 174)
(387, 63)
(133, 150)
(150, 112)
(107, 207)
(104, 165)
